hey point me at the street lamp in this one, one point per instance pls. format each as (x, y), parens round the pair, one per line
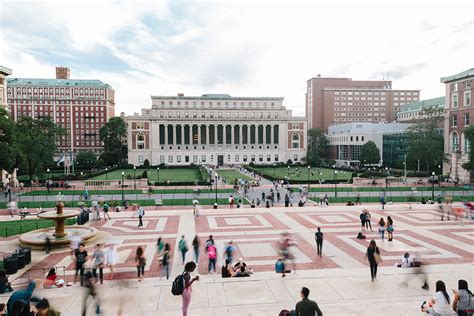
(432, 185)
(215, 180)
(386, 178)
(335, 183)
(158, 170)
(10, 185)
(309, 178)
(288, 173)
(123, 177)
(134, 178)
(106, 171)
(274, 166)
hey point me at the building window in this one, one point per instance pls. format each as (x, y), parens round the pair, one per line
(245, 158)
(467, 98)
(454, 141)
(178, 158)
(269, 158)
(140, 141)
(295, 158)
(295, 140)
(140, 159)
(236, 158)
(170, 159)
(454, 120)
(467, 119)
(276, 158)
(260, 158)
(454, 102)
(467, 145)
(203, 158)
(195, 158)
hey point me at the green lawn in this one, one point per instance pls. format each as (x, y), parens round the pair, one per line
(171, 175)
(231, 175)
(301, 173)
(10, 228)
(109, 192)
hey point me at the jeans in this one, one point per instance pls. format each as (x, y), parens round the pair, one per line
(183, 255)
(101, 273)
(212, 264)
(319, 246)
(80, 270)
(382, 233)
(196, 254)
(373, 269)
(140, 222)
(140, 271)
(368, 224)
(166, 268)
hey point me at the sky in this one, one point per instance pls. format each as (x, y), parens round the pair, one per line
(242, 48)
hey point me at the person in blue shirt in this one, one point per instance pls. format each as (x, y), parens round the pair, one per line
(280, 268)
(20, 295)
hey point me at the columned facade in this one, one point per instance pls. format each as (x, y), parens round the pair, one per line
(217, 130)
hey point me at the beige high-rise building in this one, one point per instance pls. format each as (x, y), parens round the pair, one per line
(4, 72)
(332, 101)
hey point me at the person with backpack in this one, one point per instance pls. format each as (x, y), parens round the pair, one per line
(165, 260)
(182, 285)
(105, 208)
(229, 252)
(183, 248)
(212, 257)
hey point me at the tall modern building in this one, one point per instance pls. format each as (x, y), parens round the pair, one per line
(215, 129)
(80, 106)
(332, 101)
(4, 72)
(458, 115)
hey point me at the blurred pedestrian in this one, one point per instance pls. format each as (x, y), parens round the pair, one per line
(373, 255)
(140, 261)
(319, 236)
(111, 259)
(165, 261)
(183, 248)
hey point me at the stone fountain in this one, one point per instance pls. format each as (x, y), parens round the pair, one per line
(57, 236)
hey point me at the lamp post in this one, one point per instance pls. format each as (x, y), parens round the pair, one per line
(386, 178)
(10, 185)
(106, 171)
(134, 178)
(335, 183)
(158, 171)
(274, 166)
(215, 180)
(432, 185)
(309, 178)
(288, 173)
(123, 177)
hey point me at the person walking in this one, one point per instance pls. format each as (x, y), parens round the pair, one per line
(306, 307)
(140, 261)
(362, 220)
(212, 257)
(382, 228)
(373, 255)
(188, 282)
(358, 199)
(390, 228)
(111, 257)
(196, 245)
(99, 258)
(165, 261)
(382, 201)
(91, 291)
(368, 223)
(183, 248)
(229, 252)
(80, 258)
(159, 247)
(319, 236)
(105, 209)
(140, 213)
(231, 201)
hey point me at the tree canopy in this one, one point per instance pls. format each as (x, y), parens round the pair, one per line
(9, 153)
(317, 145)
(86, 159)
(113, 134)
(369, 153)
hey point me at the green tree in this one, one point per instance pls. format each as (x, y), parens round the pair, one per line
(369, 153)
(9, 154)
(36, 140)
(317, 145)
(425, 142)
(86, 159)
(469, 135)
(114, 134)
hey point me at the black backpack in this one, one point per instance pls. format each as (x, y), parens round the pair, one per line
(177, 288)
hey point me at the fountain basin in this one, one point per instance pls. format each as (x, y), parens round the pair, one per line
(37, 239)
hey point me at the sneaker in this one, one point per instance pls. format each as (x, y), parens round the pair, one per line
(425, 287)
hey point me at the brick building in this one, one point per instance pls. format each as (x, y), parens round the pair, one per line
(459, 112)
(80, 106)
(331, 101)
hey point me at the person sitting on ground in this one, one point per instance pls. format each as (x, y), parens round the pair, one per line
(44, 309)
(407, 261)
(360, 236)
(281, 268)
(463, 302)
(241, 273)
(306, 307)
(227, 270)
(423, 200)
(5, 285)
(50, 279)
(300, 203)
(439, 303)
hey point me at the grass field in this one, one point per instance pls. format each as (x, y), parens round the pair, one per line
(301, 173)
(231, 175)
(10, 228)
(171, 175)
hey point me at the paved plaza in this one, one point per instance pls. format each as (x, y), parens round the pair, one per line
(339, 281)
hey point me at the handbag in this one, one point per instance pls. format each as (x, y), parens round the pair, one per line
(377, 257)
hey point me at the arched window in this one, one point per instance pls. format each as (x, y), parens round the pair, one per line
(454, 141)
(295, 140)
(140, 141)
(466, 144)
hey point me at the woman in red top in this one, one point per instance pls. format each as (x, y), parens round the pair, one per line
(50, 278)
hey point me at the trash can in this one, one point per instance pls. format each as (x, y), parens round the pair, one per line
(215, 206)
(10, 264)
(27, 253)
(21, 260)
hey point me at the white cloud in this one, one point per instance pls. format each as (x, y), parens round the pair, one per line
(246, 48)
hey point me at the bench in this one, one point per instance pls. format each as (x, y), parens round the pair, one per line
(158, 202)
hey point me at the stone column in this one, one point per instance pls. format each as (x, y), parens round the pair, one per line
(207, 135)
(166, 134)
(199, 134)
(174, 134)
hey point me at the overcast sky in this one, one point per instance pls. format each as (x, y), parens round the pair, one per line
(244, 48)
